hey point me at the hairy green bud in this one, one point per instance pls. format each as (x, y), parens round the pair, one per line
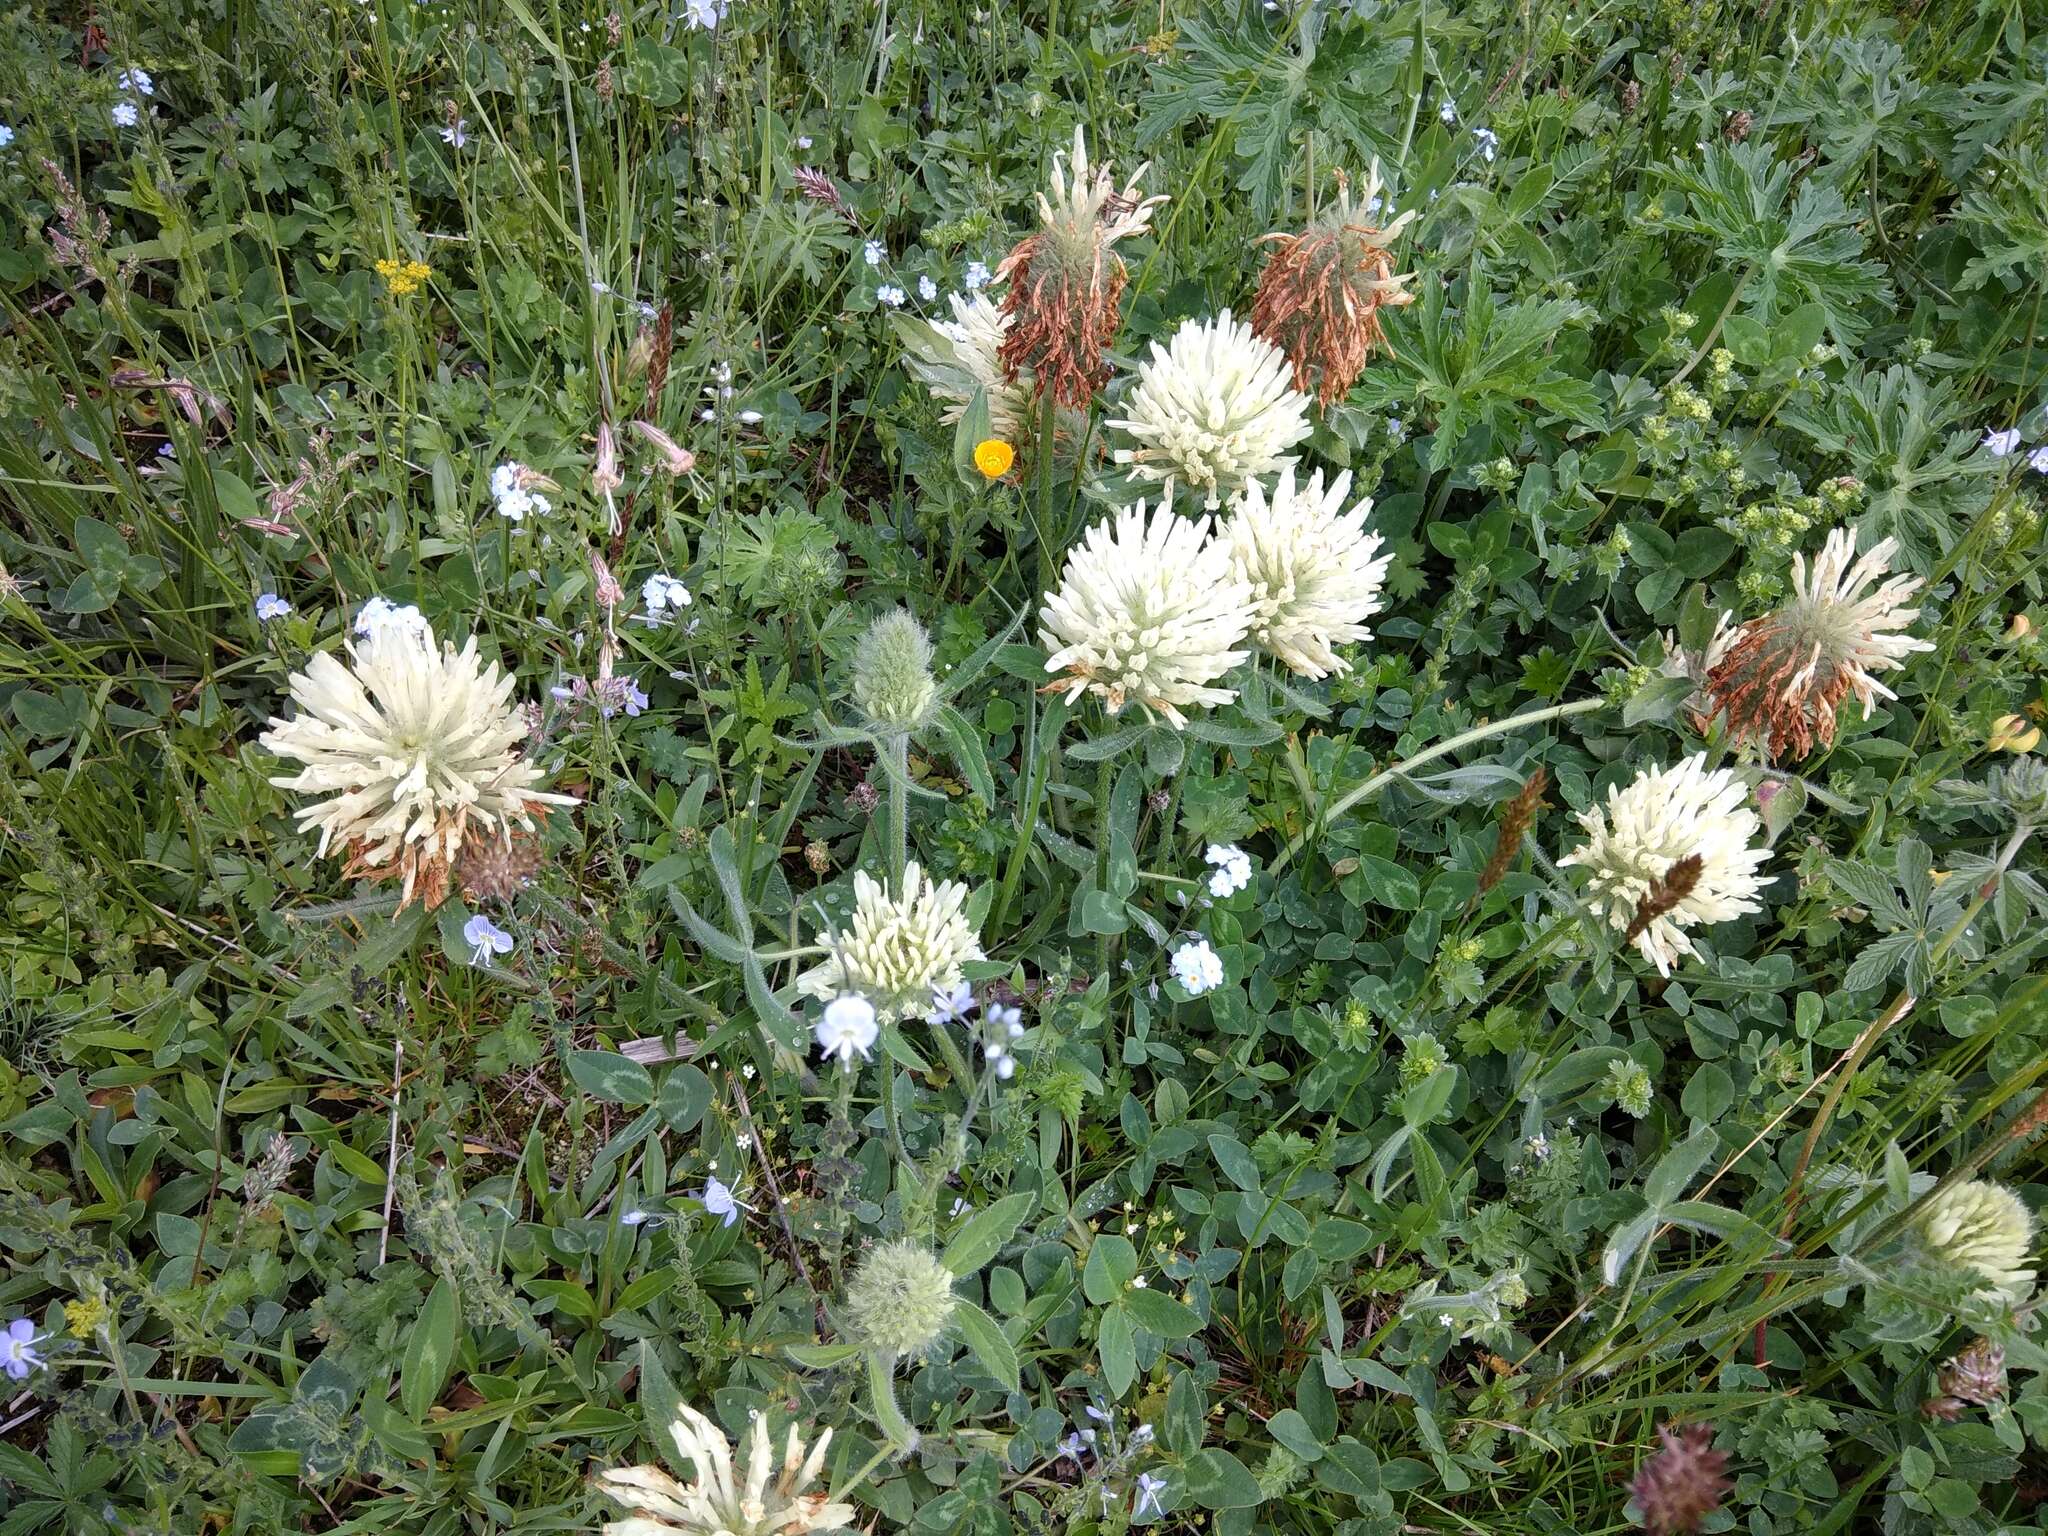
(892, 673)
(900, 1300)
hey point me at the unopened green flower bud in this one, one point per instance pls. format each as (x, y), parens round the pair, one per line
(900, 1300)
(892, 673)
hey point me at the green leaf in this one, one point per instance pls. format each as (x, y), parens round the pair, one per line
(685, 1095)
(1677, 1168)
(1112, 1265)
(1162, 1315)
(382, 945)
(991, 1346)
(612, 1078)
(982, 1235)
(1708, 1093)
(1117, 1349)
(1218, 1480)
(430, 1351)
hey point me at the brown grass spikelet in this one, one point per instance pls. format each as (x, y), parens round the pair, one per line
(1517, 815)
(1322, 290)
(1664, 895)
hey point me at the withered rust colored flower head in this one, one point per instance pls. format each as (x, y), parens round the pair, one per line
(1064, 281)
(1683, 1483)
(1783, 675)
(1321, 293)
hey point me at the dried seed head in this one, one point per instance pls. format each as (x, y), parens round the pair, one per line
(1682, 1483)
(1320, 295)
(497, 869)
(1977, 1375)
(1517, 815)
(1736, 129)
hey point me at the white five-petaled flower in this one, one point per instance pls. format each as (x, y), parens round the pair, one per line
(485, 938)
(1662, 816)
(2037, 461)
(416, 743)
(2000, 443)
(1232, 870)
(722, 1501)
(662, 592)
(1213, 409)
(927, 290)
(17, 1349)
(1489, 143)
(897, 949)
(871, 253)
(136, 82)
(124, 114)
(703, 14)
(1149, 612)
(513, 489)
(891, 295)
(977, 276)
(1197, 967)
(846, 1028)
(270, 606)
(1315, 573)
(1149, 1489)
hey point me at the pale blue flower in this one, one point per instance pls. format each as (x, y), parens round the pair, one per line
(891, 295)
(456, 134)
(977, 275)
(951, 1007)
(1149, 1489)
(2038, 460)
(17, 1349)
(6, 135)
(270, 606)
(1447, 114)
(927, 289)
(718, 1200)
(1489, 143)
(872, 253)
(485, 938)
(136, 82)
(124, 114)
(1999, 444)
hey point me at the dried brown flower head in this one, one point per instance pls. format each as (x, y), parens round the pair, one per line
(497, 869)
(1065, 281)
(1320, 295)
(1682, 1483)
(818, 187)
(1781, 678)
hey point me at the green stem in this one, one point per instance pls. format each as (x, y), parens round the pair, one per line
(1042, 742)
(898, 748)
(1429, 755)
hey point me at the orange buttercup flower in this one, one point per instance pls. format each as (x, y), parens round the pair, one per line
(993, 457)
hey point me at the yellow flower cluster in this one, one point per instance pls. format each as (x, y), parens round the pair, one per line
(403, 277)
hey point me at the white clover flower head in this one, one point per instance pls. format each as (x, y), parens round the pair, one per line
(1661, 816)
(897, 948)
(1315, 573)
(721, 1502)
(1213, 408)
(1231, 872)
(485, 939)
(900, 1300)
(416, 743)
(1085, 200)
(1149, 612)
(124, 114)
(2000, 443)
(846, 1028)
(1784, 675)
(1985, 1227)
(662, 592)
(270, 606)
(378, 613)
(1197, 967)
(962, 357)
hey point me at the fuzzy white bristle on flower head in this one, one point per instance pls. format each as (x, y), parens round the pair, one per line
(897, 949)
(719, 1502)
(417, 743)
(1315, 573)
(1783, 675)
(1662, 816)
(1213, 409)
(1149, 612)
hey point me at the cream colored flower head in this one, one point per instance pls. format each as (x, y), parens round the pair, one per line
(1213, 409)
(957, 358)
(721, 1502)
(897, 948)
(1086, 202)
(417, 746)
(1985, 1227)
(1150, 611)
(1661, 816)
(1314, 572)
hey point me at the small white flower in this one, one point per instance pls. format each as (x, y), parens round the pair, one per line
(872, 253)
(1445, 1319)
(485, 938)
(803, 141)
(124, 114)
(1213, 408)
(2038, 460)
(891, 295)
(1447, 114)
(977, 276)
(847, 1028)
(662, 592)
(951, 1006)
(1197, 967)
(6, 135)
(750, 418)
(136, 82)
(1006, 1067)
(1232, 872)
(703, 14)
(456, 134)
(270, 606)
(1149, 1489)
(1489, 143)
(718, 1200)
(1999, 444)
(927, 290)
(378, 612)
